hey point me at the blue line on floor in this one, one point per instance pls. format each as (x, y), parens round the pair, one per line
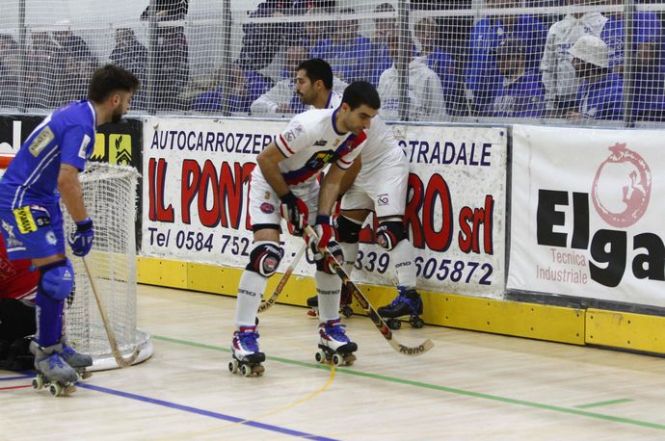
(18, 377)
(203, 412)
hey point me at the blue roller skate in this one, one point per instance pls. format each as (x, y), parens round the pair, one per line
(247, 358)
(407, 303)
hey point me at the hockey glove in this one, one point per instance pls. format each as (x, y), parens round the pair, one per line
(324, 239)
(81, 240)
(295, 211)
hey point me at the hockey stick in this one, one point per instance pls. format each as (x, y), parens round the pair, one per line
(107, 324)
(370, 310)
(266, 304)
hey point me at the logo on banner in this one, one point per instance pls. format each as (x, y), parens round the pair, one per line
(622, 206)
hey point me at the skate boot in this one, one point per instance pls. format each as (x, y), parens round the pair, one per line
(76, 360)
(407, 303)
(344, 306)
(53, 371)
(245, 352)
(335, 346)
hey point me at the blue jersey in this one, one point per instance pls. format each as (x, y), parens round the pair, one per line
(522, 98)
(66, 136)
(350, 61)
(602, 99)
(646, 29)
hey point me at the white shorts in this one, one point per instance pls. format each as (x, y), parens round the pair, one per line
(381, 189)
(264, 202)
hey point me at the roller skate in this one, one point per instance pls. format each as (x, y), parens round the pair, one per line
(407, 303)
(76, 360)
(245, 352)
(344, 304)
(335, 346)
(53, 372)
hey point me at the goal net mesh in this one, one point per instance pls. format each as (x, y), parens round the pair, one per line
(453, 60)
(109, 193)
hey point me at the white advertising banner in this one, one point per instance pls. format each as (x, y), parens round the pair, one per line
(196, 174)
(587, 213)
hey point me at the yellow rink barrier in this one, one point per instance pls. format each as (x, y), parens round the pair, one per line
(610, 329)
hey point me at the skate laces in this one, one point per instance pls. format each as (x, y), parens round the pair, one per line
(335, 330)
(54, 361)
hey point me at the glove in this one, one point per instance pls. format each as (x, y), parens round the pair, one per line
(81, 240)
(296, 213)
(324, 239)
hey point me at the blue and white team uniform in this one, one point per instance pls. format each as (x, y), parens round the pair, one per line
(30, 214)
(521, 97)
(602, 99)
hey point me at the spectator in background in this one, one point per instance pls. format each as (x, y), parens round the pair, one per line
(424, 92)
(233, 91)
(46, 64)
(384, 28)
(131, 55)
(313, 31)
(167, 10)
(282, 98)
(441, 62)
(600, 94)
(348, 53)
(172, 69)
(482, 75)
(521, 94)
(559, 79)
(10, 71)
(262, 41)
(79, 63)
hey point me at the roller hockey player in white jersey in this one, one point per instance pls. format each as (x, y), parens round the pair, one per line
(381, 186)
(284, 185)
(44, 172)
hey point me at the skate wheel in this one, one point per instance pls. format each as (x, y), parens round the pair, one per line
(394, 324)
(320, 357)
(337, 360)
(347, 311)
(417, 322)
(245, 370)
(233, 366)
(38, 382)
(55, 389)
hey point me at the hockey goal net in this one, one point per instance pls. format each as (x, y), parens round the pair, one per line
(109, 193)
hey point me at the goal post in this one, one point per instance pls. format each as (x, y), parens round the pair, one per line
(109, 193)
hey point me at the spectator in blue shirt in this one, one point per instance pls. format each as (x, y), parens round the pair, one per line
(482, 75)
(441, 62)
(600, 94)
(521, 94)
(348, 53)
(384, 29)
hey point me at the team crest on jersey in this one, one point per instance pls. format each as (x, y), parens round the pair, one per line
(320, 159)
(50, 238)
(41, 140)
(293, 133)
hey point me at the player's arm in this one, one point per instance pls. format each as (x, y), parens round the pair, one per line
(330, 188)
(268, 161)
(71, 193)
(350, 176)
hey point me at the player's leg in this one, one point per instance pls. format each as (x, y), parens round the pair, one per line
(264, 259)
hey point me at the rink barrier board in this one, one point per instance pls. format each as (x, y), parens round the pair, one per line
(528, 320)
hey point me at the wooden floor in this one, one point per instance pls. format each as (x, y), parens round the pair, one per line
(471, 386)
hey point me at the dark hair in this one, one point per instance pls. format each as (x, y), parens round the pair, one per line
(108, 79)
(361, 92)
(384, 7)
(318, 69)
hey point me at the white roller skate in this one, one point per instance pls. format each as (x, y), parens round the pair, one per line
(335, 346)
(245, 352)
(53, 372)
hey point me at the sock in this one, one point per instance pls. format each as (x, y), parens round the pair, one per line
(328, 288)
(48, 319)
(250, 293)
(405, 269)
(350, 251)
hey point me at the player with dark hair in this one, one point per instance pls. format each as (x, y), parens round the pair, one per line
(380, 186)
(285, 182)
(44, 171)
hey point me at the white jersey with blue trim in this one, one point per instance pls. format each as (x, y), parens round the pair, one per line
(381, 145)
(66, 136)
(311, 141)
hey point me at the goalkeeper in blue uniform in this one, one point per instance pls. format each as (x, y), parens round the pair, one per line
(44, 171)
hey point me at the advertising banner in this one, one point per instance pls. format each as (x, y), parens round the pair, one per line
(587, 214)
(197, 172)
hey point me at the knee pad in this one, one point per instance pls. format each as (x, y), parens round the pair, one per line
(57, 279)
(348, 231)
(390, 233)
(264, 258)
